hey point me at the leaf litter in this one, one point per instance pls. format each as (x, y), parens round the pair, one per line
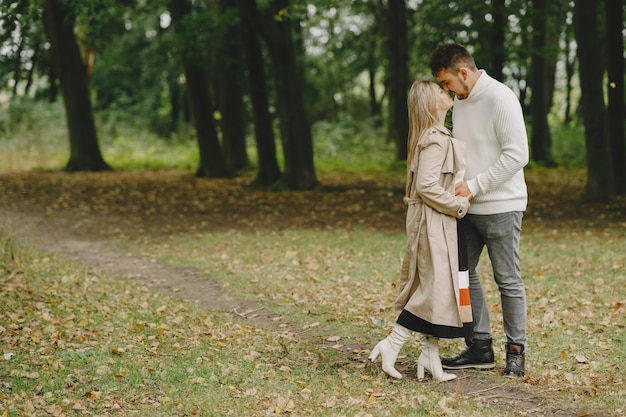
(73, 215)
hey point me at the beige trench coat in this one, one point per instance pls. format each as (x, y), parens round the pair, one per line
(429, 286)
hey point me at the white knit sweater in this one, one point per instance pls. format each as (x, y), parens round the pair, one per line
(491, 123)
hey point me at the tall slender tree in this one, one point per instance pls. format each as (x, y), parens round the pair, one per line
(542, 70)
(230, 90)
(600, 180)
(569, 57)
(268, 171)
(212, 164)
(614, 15)
(276, 26)
(398, 75)
(498, 30)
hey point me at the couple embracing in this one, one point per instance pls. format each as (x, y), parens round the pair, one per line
(465, 190)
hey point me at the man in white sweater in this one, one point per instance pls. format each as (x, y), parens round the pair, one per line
(487, 115)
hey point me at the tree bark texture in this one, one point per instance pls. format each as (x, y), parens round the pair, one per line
(542, 80)
(570, 69)
(212, 163)
(600, 186)
(399, 78)
(498, 55)
(231, 95)
(296, 137)
(268, 171)
(614, 12)
(85, 152)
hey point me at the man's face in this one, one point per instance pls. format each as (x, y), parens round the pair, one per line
(455, 83)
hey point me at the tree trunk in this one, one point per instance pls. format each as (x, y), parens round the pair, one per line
(30, 75)
(231, 95)
(377, 9)
(600, 185)
(85, 152)
(212, 163)
(299, 172)
(17, 66)
(614, 13)
(268, 171)
(399, 78)
(541, 85)
(570, 69)
(175, 96)
(498, 10)
(375, 104)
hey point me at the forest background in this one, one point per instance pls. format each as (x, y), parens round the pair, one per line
(237, 75)
(251, 154)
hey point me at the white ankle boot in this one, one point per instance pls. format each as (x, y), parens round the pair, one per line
(429, 360)
(389, 348)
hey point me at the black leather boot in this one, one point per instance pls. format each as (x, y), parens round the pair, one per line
(514, 360)
(478, 355)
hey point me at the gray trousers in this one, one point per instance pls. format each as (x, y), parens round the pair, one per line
(500, 233)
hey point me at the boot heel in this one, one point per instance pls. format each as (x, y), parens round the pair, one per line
(429, 360)
(374, 354)
(420, 372)
(388, 349)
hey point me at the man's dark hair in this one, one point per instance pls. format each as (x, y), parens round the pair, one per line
(450, 57)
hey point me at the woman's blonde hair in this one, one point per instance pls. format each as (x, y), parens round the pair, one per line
(422, 103)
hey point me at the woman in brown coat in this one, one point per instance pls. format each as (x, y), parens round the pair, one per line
(434, 285)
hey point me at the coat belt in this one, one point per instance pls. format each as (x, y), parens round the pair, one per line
(412, 201)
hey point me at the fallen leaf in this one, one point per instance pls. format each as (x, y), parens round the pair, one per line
(581, 359)
(118, 351)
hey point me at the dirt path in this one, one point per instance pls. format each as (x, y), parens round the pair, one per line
(54, 235)
(59, 236)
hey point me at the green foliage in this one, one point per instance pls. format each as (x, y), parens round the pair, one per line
(21, 45)
(124, 152)
(351, 146)
(568, 146)
(137, 81)
(33, 135)
(136, 73)
(344, 46)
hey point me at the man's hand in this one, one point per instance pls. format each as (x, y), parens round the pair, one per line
(463, 190)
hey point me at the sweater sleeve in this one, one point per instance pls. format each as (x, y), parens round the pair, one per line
(432, 155)
(510, 132)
